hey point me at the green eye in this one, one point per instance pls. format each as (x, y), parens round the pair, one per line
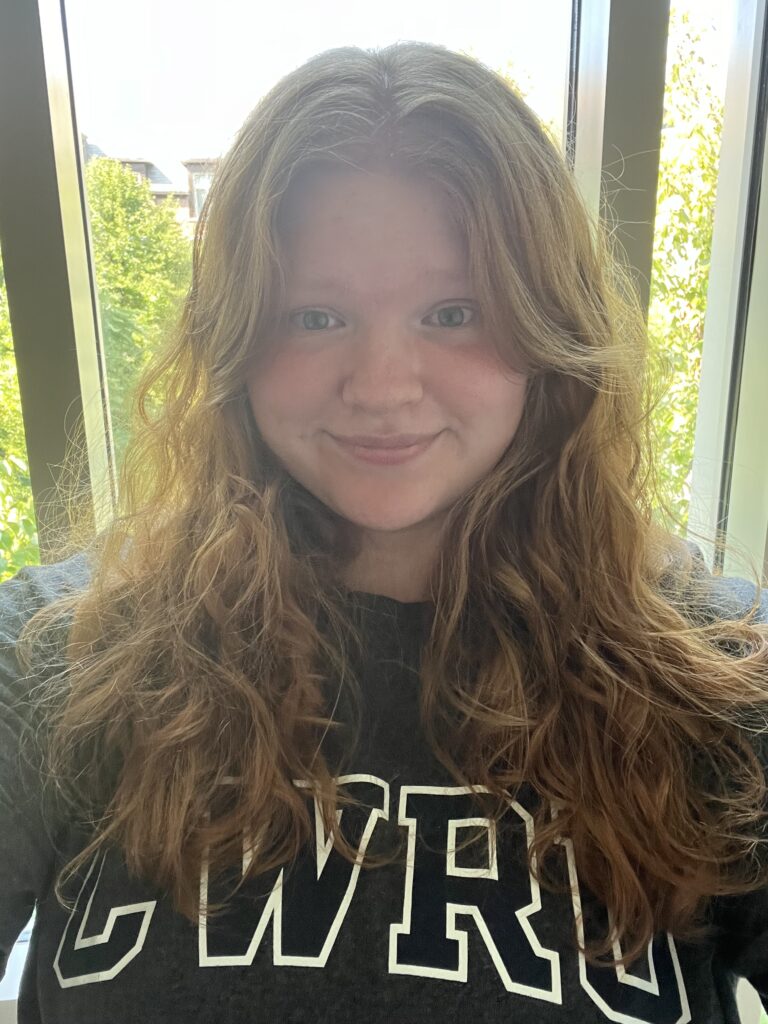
(453, 316)
(312, 319)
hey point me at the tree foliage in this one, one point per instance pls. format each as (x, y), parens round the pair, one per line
(690, 153)
(18, 531)
(143, 264)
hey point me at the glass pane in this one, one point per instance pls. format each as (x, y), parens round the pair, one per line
(157, 110)
(18, 529)
(697, 58)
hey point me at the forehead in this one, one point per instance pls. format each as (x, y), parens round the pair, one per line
(339, 226)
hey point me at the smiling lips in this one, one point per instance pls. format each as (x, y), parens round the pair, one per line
(389, 453)
(384, 441)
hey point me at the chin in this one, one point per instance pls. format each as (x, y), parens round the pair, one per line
(398, 518)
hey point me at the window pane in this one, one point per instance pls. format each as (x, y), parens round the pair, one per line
(697, 60)
(142, 259)
(158, 108)
(18, 529)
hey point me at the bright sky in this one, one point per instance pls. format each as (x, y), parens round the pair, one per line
(179, 77)
(174, 80)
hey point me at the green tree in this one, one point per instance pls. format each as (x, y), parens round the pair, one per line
(143, 264)
(690, 153)
(18, 529)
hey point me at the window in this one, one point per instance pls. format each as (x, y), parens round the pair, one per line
(200, 184)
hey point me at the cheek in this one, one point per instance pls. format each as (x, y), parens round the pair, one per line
(480, 384)
(284, 386)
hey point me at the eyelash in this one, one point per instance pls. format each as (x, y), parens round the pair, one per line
(452, 305)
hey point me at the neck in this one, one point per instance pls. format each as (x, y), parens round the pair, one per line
(393, 566)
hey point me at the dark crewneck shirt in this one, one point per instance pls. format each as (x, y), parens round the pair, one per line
(436, 935)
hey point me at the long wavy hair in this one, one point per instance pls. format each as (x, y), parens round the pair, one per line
(571, 643)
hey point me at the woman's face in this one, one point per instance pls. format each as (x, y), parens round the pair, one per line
(381, 334)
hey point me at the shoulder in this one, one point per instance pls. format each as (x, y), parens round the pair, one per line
(21, 596)
(35, 586)
(705, 595)
(30, 813)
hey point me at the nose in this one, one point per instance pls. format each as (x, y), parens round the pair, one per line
(384, 369)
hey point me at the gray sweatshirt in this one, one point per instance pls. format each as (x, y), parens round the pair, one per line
(447, 933)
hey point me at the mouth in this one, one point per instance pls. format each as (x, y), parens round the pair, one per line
(386, 456)
(384, 440)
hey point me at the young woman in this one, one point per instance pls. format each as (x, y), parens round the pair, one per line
(385, 696)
